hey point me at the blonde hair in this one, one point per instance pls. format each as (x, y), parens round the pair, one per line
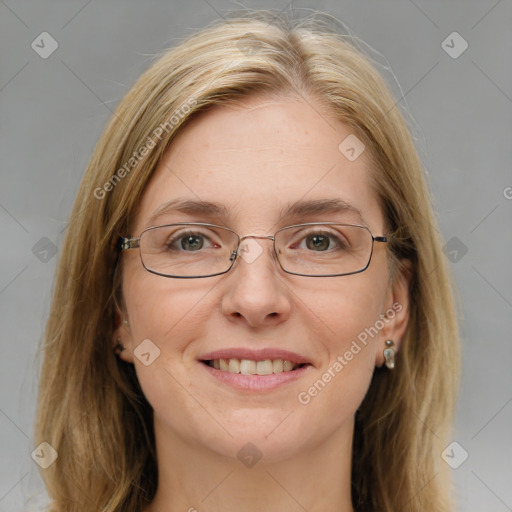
(91, 408)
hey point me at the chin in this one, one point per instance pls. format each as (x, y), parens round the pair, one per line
(269, 435)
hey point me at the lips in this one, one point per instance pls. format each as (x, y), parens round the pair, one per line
(255, 355)
(253, 367)
(252, 370)
(254, 362)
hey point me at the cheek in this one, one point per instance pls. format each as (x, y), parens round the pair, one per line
(166, 311)
(165, 317)
(341, 322)
(342, 309)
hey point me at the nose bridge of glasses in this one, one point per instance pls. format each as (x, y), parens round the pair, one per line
(250, 251)
(268, 237)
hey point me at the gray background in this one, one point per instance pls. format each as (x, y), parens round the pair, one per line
(53, 110)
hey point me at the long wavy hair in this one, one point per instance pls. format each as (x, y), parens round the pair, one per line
(91, 408)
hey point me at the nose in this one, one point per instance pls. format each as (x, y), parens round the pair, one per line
(256, 293)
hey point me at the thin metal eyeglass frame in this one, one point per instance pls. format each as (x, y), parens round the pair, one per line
(126, 243)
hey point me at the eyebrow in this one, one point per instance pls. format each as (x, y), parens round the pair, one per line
(319, 207)
(190, 207)
(301, 208)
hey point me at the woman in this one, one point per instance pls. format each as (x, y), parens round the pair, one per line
(252, 309)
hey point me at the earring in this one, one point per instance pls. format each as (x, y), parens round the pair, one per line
(125, 322)
(389, 354)
(119, 347)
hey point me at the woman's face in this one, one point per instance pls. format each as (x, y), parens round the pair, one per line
(256, 162)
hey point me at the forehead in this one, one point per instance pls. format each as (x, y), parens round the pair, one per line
(255, 161)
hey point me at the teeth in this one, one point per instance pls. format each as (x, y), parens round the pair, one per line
(264, 367)
(250, 367)
(234, 366)
(247, 367)
(287, 366)
(277, 365)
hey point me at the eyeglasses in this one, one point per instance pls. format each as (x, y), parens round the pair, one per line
(197, 249)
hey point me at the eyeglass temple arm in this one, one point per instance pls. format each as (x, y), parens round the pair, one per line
(380, 239)
(128, 243)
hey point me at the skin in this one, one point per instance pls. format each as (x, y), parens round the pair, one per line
(255, 159)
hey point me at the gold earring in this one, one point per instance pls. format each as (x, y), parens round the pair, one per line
(389, 354)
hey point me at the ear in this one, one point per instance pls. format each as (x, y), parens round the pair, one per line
(396, 312)
(122, 335)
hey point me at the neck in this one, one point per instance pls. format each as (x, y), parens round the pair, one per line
(194, 479)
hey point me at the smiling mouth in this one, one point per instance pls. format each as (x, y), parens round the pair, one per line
(251, 367)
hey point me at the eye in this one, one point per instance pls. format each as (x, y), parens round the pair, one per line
(322, 241)
(192, 242)
(318, 242)
(325, 240)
